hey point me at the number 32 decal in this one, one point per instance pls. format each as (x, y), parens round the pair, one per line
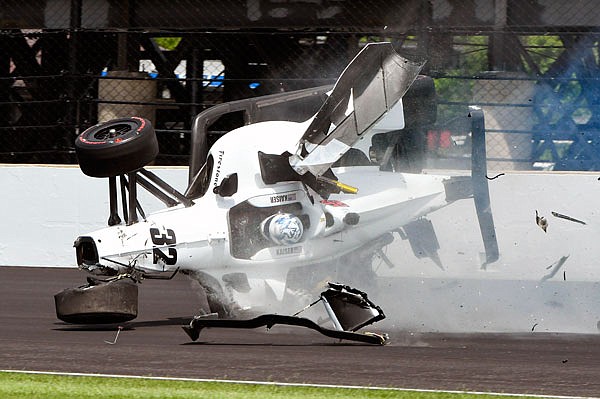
(162, 239)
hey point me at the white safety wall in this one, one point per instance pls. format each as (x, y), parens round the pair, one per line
(526, 251)
(44, 208)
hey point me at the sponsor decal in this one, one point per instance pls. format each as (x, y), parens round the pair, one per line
(142, 123)
(83, 140)
(335, 203)
(218, 168)
(288, 251)
(277, 199)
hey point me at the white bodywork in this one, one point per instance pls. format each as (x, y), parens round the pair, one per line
(199, 237)
(216, 236)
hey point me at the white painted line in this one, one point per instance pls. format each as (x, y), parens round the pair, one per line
(288, 384)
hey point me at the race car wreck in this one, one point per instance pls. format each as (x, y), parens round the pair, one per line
(349, 310)
(273, 198)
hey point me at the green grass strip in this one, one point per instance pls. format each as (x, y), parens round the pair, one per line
(48, 386)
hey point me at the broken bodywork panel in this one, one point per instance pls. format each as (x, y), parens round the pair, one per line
(348, 309)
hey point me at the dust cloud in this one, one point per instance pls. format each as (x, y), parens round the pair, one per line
(430, 303)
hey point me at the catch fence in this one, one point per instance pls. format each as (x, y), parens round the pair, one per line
(533, 66)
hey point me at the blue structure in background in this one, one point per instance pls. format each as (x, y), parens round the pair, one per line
(567, 131)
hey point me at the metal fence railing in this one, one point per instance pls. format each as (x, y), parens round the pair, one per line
(532, 66)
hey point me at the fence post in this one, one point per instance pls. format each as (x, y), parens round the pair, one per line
(71, 118)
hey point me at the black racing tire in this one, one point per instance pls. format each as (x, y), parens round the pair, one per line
(420, 103)
(101, 303)
(117, 147)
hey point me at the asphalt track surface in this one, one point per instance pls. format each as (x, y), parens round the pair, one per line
(31, 338)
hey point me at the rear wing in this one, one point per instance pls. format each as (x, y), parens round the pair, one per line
(373, 82)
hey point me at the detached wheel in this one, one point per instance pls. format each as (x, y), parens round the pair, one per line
(100, 303)
(116, 147)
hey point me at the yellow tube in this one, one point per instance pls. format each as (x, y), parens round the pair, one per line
(345, 188)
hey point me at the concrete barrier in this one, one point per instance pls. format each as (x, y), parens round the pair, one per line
(44, 208)
(543, 281)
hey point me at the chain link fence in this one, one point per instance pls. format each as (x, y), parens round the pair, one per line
(533, 66)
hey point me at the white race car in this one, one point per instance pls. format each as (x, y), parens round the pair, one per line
(268, 198)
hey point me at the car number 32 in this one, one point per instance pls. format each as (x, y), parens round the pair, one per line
(163, 239)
